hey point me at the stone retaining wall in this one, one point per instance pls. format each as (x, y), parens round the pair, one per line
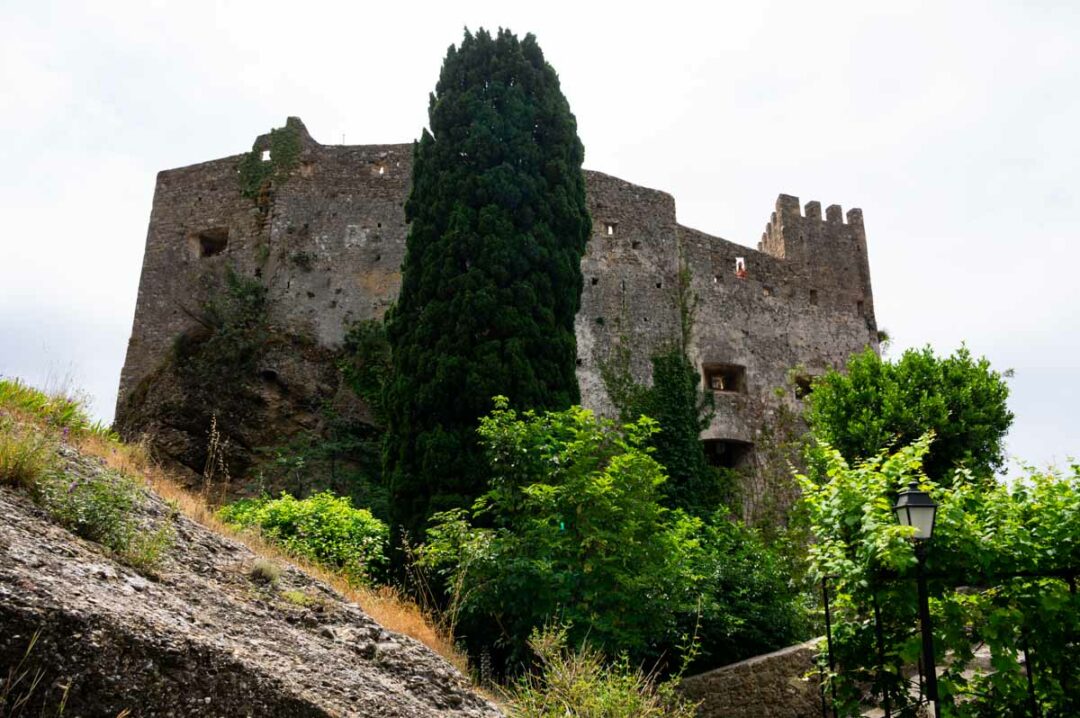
(775, 685)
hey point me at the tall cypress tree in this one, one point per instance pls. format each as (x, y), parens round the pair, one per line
(491, 278)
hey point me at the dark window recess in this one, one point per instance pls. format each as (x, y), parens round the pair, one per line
(726, 453)
(813, 297)
(594, 281)
(579, 362)
(213, 241)
(859, 309)
(635, 244)
(725, 377)
(803, 385)
(659, 285)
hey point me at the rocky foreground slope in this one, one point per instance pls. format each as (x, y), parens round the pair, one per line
(204, 638)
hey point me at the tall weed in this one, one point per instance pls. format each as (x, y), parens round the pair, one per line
(580, 683)
(26, 455)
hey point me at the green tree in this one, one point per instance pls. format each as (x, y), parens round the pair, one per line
(878, 403)
(574, 530)
(491, 277)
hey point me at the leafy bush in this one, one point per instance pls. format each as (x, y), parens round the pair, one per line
(749, 603)
(265, 571)
(984, 535)
(574, 528)
(581, 679)
(103, 508)
(324, 528)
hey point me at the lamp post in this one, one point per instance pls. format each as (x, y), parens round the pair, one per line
(914, 507)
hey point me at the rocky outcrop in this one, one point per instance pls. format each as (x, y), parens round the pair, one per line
(203, 638)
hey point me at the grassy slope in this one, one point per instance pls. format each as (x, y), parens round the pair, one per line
(33, 424)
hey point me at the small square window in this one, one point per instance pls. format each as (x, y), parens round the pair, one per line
(266, 155)
(725, 377)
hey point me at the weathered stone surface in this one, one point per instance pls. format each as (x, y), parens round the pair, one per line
(782, 684)
(204, 639)
(329, 239)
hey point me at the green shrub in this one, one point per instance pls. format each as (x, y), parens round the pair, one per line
(297, 598)
(103, 508)
(324, 528)
(265, 571)
(579, 683)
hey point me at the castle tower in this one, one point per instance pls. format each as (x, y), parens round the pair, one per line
(829, 254)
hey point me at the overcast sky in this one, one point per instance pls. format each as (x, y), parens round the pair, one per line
(955, 126)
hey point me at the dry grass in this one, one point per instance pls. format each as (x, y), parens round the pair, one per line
(384, 604)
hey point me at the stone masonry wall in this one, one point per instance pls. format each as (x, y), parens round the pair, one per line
(782, 684)
(329, 240)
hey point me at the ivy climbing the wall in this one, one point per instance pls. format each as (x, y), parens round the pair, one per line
(257, 173)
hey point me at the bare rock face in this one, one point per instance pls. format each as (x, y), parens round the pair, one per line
(204, 638)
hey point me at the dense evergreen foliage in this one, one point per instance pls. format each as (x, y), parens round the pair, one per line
(491, 276)
(985, 535)
(878, 403)
(578, 531)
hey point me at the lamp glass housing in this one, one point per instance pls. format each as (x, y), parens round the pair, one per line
(914, 507)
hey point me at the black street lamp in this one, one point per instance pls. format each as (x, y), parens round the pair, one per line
(914, 507)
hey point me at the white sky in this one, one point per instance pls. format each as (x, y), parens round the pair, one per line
(952, 124)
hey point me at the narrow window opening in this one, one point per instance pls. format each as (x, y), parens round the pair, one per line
(609, 229)
(659, 285)
(740, 267)
(382, 170)
(212, 241)
(716, 279)
(813, 297)
(729, 378)
(578, 361)
(594, 281)
(635, 245)
(727, 453)
(767, 291)
(265, 155)
(860, 309)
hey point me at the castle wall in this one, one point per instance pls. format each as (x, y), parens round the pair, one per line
(329, 240)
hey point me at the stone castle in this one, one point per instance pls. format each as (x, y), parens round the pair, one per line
(327, 240)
